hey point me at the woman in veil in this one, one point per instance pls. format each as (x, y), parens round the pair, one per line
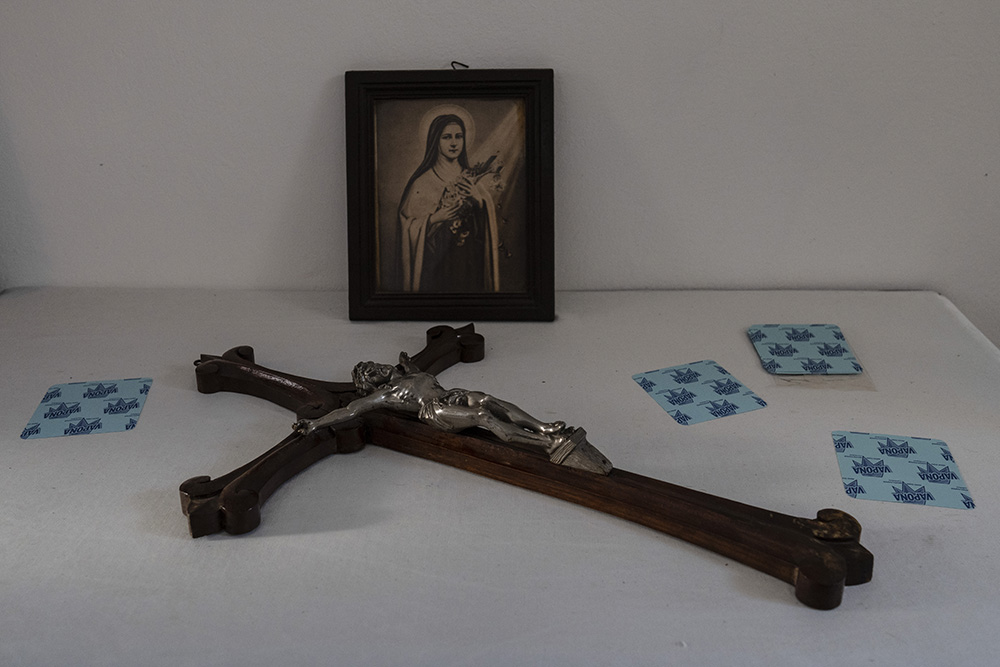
(447, 221)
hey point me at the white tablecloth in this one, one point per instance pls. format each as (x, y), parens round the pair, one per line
(377, 558)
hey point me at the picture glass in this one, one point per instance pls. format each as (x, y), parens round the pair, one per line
(451, 196)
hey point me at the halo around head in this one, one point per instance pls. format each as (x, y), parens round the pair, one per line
(443, 109)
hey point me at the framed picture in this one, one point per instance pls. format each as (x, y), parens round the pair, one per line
(449, 191)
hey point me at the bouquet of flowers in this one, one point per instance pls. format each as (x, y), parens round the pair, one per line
(485, 173)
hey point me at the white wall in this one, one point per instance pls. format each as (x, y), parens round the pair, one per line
(717, 143)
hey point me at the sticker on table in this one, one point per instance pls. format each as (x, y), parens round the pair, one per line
(803, 349)
(698, 392)
(79, 408)
(900, 469)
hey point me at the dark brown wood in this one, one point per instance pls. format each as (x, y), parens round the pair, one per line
(819, 557)
(232, 502)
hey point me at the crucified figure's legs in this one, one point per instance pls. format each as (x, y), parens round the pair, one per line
(508, 412)
(504, 420)
(564, 445)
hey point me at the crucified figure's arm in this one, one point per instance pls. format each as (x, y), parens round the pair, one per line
(355, 408)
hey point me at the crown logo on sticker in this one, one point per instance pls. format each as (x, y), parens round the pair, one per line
(854, 489)
(815, 366)
(869, 468)
(726, 387)
(62, 410)
(721, 408)
(828, 350)
(101, 390)
(680, 417)
(899, 449)
(679, 396)
(82, 427)
(799, 335)
(936, 474)
(916, 495)
(121, 406)
(685, 376)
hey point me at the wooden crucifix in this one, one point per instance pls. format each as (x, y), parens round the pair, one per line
(402, 407)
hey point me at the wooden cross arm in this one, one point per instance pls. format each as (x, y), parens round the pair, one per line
(233, 501)
(236, 371)
(817, 556)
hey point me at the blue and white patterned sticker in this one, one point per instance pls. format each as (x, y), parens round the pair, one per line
(698, 392)
(78, 408)
(803, 349)
(900, 469)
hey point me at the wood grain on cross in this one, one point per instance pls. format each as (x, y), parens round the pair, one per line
(817, 556)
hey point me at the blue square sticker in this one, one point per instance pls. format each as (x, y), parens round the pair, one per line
(900, 469)
(79, 408)
(698, 392)
(803, 349)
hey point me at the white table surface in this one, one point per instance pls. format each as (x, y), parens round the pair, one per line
(377, 558)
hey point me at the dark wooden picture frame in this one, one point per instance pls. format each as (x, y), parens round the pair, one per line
(466, 233)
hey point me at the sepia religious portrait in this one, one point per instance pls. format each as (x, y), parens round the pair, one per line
(450, 194)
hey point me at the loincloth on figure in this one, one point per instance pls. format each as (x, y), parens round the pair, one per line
(449, 412)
